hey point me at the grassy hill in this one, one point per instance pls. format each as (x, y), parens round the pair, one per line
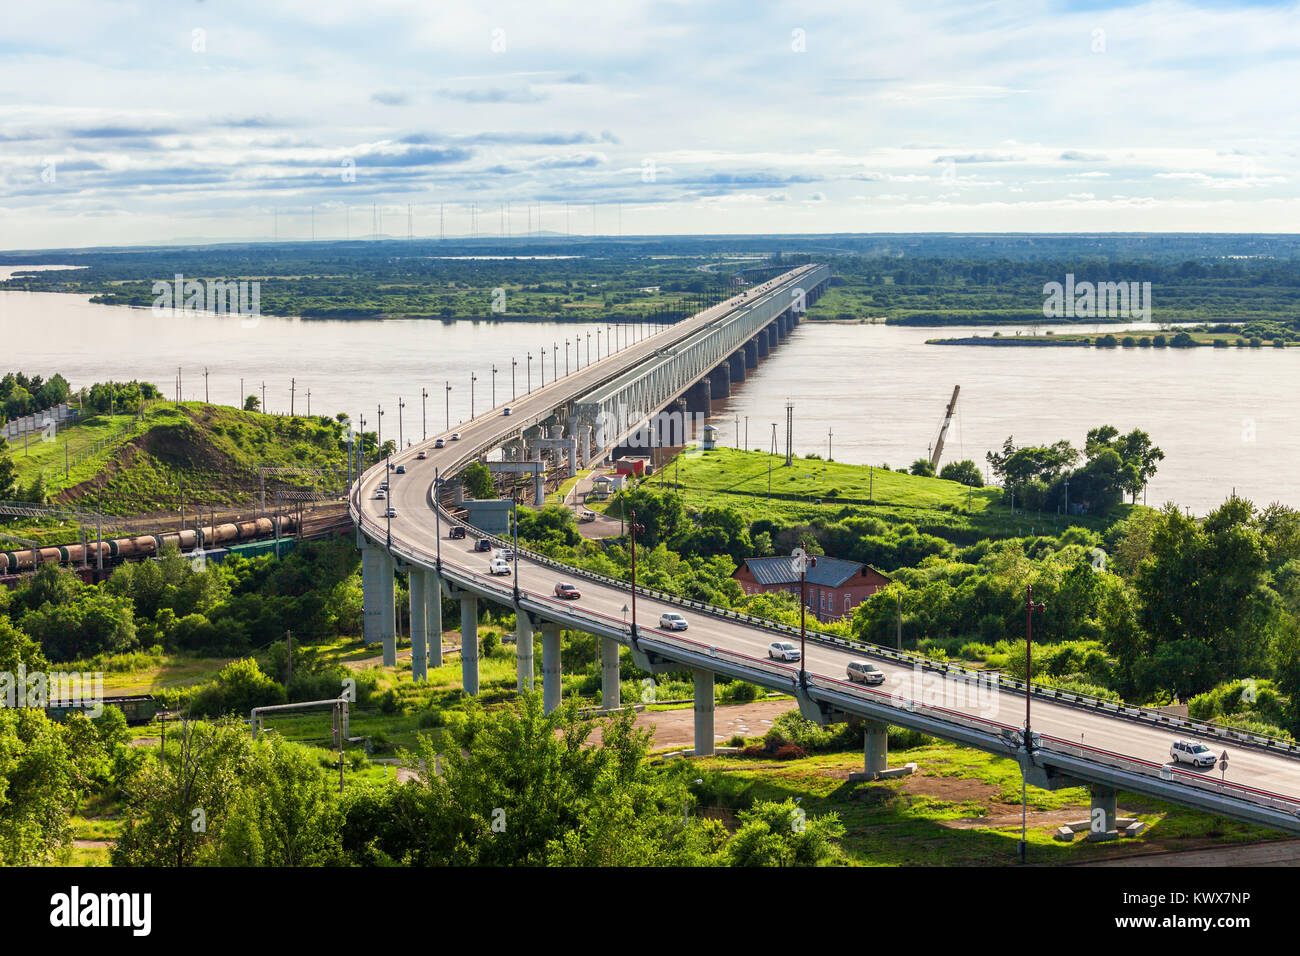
(810, 487)
(212, 454)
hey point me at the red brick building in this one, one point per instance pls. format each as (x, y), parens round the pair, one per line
(834, 587)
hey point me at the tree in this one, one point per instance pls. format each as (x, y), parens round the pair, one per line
(922, 468)
(37, 787)
(964, 472)
(1203, 599)
(252, 404)
(8, 473)
(477, 481)
(779, 834)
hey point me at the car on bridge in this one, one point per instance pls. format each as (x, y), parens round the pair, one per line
(482, 544)
(864, 672)
(672, 621)
(390, 513)
(1189, 751)
(455, 436)
(422, 456)
(457, 532)
(497, 566)
(567, 591)
(380, 494)
(783, 651)
(400, 469)
(439, 444)
(505, 554)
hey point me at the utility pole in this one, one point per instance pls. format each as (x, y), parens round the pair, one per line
(633, 529)
(264, 411)
(494, 384)
(1030, 607)
(829, 434)
(514, 364)
(293, 385)
(380, 438)
(205, 385)
(789, 433)
(448, 425)
(802, 561)
(424, 399)
(472, 379)
(400, 405)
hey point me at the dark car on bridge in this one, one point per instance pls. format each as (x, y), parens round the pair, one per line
(482, 544)
(457, 532)
(567, 591)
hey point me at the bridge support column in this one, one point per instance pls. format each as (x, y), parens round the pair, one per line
(751, 354)
(720, 381)
(433, 616)
(584, 444)
(737, 362)
(388, 608)
(419, 624)
(609, 689)
(371, 605)
(539, 489)
(551, 688)
(771, 336)
(703, 713)
(760, 343)
(523, 651)
(469, 643)
(875, 748)
(1103, 823)
(782, 325)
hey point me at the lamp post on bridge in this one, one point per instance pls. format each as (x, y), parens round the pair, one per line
(555, 360)
(566, 356)
(530, 373)
(514, 364)
(588, 348)
(424, 424)
(802, 561)
(598, 345)
(472, 379)
(381, 430)
(400, 405)
(494, 384)
(448, 404)
(541, 356)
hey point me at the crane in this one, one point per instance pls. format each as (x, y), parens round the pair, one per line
(937, 451)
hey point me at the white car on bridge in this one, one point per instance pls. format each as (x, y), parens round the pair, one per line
(783, 651)
(499, 566)
(672, 621)
(1189, 751)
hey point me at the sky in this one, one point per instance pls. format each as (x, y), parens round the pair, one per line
(214, 120)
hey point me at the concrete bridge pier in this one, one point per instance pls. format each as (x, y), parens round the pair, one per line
(771, 336)
(539, 489)
(370, 603)
(875, 748)
(523, 651)
(704, 714)
(609, 689)
(552, 691)
(1103, 824)
(433, 616)
(737, 362)
(584, 444)
(782, 325)
(388, 608)
(416, 582)
(469, 643)
(720, 381)
(697, 396)
(760, 342)
(751, 354)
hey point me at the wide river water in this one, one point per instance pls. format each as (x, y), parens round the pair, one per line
(1225, 418)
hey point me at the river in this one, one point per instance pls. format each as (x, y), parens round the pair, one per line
(1224, 417)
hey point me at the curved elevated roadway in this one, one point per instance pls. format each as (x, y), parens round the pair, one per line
(1078, 742)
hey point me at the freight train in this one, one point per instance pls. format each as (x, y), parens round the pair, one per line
(145, 545)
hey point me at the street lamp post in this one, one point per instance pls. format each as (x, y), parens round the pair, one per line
(598, 345)
(566, 356)
(381, 429)
(400, 439)
(514, 364)
(424, 424)
(802, 561)
(514, 523)
(448, 404)
(541, 365)
(530, 373)
(632, 529)
(472, 379)
(588, 348)
(494, 384)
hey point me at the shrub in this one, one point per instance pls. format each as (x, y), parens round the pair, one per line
(789, 752)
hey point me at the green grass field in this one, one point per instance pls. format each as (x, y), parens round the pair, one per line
(739, 479)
